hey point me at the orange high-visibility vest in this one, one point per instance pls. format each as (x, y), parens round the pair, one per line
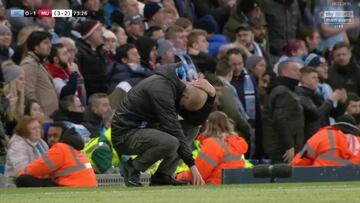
(216, 155)
(64, 165)
(328, 147)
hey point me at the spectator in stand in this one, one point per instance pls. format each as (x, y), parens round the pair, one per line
(127, 66)
(108, 9)
(120, 34)
(316, 109)
(38, 81)
(33, 110)
(99, 107)
(134, 27)
(64, 80)
(48, 24)
(71, 112)
(72, 50)
(220, 10)
(241, 13)
(91, 57)
(155, 33)
(284, 23)
(184, 23)
(21, 47)
(166, 52)
(154, 14)
(54, 132)
(198, 48)
(228, 100)
(24, 147)
(220, 141)
(312, 38)
(256, 65)
(283, 116)
(258, 27)
(147, 50)
(14, 79)
(186, 9)
(245, 37)
(94, 9)
(6, 52)
(177, 35)
(129, 7)
(345, 72)
(352, 104)
(247, 91)
(110, 44)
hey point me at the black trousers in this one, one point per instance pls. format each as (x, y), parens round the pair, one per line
(152, 145)
(31, 181)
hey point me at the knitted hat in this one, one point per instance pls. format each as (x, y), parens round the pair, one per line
(248, 5)
(107, 34)
(151, 9)
(4, 29)
(11, 72)
(163, 46)
(207, 23)
(87, 28)
(314, 60)
(252, 60)
(130, 19)
(36, 38)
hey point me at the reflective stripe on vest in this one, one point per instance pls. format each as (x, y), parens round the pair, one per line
(227, 157)
(79, 166)
(50, 164)
(330, 155)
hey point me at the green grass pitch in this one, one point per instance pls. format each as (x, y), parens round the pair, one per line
(277, 192)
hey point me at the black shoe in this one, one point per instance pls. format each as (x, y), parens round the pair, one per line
(131, 175)
(159, 179)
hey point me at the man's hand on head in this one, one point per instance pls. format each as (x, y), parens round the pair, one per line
(204, 85)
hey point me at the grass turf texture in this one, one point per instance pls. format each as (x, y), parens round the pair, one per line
(285, 192)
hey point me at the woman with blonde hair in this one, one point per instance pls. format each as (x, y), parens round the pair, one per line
(24, 147)
(14, 78)
(221, 148)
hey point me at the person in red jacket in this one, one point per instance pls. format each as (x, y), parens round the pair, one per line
(222, 148)
(62, 165)
(335, 145)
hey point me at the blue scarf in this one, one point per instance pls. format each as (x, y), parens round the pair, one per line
(249, 94)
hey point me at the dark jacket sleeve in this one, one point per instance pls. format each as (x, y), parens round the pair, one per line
(284, 110)
(102, 157)
(312, 111)
(205, 8)
(199, 117)
(166, 113)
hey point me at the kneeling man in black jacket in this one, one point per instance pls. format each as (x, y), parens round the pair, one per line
(146, 124)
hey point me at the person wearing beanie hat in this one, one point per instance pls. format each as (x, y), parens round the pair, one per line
(134, 27)
(207, 23)
(154, 15)
(166, 52)
(148, 53)
(110, 44)
(14, 91)
(6, 52)
(92, 57)
(39, 83)
(256, 65)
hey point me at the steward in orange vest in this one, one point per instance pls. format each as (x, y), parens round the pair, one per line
(218, 151)
(336, 145)
(62, 165)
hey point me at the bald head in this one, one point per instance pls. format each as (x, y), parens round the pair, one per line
(193, 98)
(289, 69)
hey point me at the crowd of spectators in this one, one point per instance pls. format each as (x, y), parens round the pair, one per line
(280, 71)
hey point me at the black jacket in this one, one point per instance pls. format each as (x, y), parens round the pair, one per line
(154, 103)
(93, 123)
(62, 115)
(204, 62)
(316, 110)
(283, 118)
(345, 77)
(92, 65)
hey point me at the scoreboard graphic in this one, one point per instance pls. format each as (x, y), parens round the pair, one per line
(55, 13)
